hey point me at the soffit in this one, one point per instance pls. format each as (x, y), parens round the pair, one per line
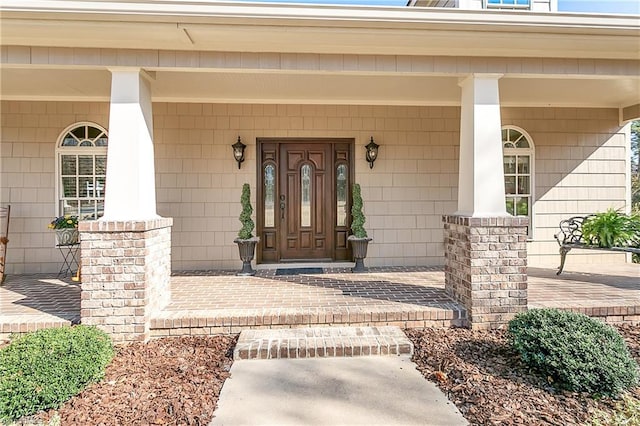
(302, 88)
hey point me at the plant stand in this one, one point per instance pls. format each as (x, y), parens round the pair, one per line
(247, 249)
(359, 246)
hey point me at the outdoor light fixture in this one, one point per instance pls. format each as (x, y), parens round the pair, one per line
(238, 151)
(372, 152)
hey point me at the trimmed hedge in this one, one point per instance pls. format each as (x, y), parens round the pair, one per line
(576, 352)
(41, 370)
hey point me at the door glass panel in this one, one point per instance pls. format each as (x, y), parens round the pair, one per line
(341, 191)
(305, 200)
(269, 196)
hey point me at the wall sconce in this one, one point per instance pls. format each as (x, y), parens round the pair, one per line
(238, 151)
(372, 152)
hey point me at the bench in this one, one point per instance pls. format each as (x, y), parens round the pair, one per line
(570, 237)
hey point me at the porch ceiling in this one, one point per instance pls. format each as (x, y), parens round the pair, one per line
(27, 83)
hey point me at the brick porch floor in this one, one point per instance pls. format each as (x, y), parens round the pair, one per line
(218, 301)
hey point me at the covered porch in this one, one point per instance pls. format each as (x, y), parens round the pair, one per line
(214, 302)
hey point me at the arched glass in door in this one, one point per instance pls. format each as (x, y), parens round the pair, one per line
(305, 200)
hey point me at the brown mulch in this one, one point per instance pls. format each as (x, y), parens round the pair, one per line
(172, 381)
(177, 381)
(489, 384)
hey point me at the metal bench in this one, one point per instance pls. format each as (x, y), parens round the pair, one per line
(570, 237)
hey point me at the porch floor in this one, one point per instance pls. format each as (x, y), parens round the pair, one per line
(218, 301)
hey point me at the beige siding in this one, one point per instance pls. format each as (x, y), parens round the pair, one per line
(580, 168)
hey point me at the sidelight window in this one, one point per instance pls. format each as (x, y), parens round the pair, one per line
(269, 195)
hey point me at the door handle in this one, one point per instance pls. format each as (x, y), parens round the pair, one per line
(282, 206)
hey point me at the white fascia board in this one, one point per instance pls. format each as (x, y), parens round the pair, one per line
(199, 11)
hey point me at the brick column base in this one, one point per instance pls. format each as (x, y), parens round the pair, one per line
(126, 269)
(486, 267)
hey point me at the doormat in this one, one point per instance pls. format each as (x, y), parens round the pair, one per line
(298, 271)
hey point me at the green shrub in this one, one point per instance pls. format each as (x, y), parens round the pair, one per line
(41, 370)
(575, 352)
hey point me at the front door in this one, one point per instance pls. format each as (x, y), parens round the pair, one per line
(303, 199)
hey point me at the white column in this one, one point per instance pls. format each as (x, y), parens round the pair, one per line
(130, 187)
(481, 190)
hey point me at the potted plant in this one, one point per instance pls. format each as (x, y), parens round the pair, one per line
(612, 229)
(359, 239)
(246, 240)
(66, 228)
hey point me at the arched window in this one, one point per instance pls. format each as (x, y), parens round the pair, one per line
(518, 152)
(81, 170)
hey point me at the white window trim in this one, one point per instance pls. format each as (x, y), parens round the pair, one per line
(532, 152)
(60, 150)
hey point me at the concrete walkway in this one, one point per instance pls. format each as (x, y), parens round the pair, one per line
(328, 386)
(365, 390)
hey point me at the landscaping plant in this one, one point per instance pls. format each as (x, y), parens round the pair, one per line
(573, 351)
(42, 369)
(612, 229)
(246, 231)
(357, 216)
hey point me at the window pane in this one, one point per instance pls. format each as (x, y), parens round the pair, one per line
(523, 185)
(341, 191)
(85, 163)
(80, 132)
(69, 165)
(93, 132)
(510, 164)
(305, 201)
(101, 165)
(86, 143)
(101, 142)
(69, 141)
(522, 206)
(510, 184)
(269, 196)
(523, 164)
(100, 187)
(70, 207)
(69, 188)
(86, 187)
(510, 205)
(88, 209)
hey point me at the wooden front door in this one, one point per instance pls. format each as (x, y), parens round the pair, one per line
(303, 199)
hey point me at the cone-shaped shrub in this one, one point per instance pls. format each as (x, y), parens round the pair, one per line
(357, 216)
(246, 231)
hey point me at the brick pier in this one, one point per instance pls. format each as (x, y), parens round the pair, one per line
(126, 269)
(486, 267)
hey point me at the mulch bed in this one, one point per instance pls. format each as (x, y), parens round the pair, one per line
(489, 384)
(177, 381)
(172, 381)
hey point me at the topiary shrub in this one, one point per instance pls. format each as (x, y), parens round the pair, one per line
(41, 370)
(246, 231)
(575, 352)
(358, 219)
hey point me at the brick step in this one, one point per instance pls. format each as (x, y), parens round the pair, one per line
(321, 342)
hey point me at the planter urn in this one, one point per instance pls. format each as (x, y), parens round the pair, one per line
(247, 250)
(67, 236)
(359, 247)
